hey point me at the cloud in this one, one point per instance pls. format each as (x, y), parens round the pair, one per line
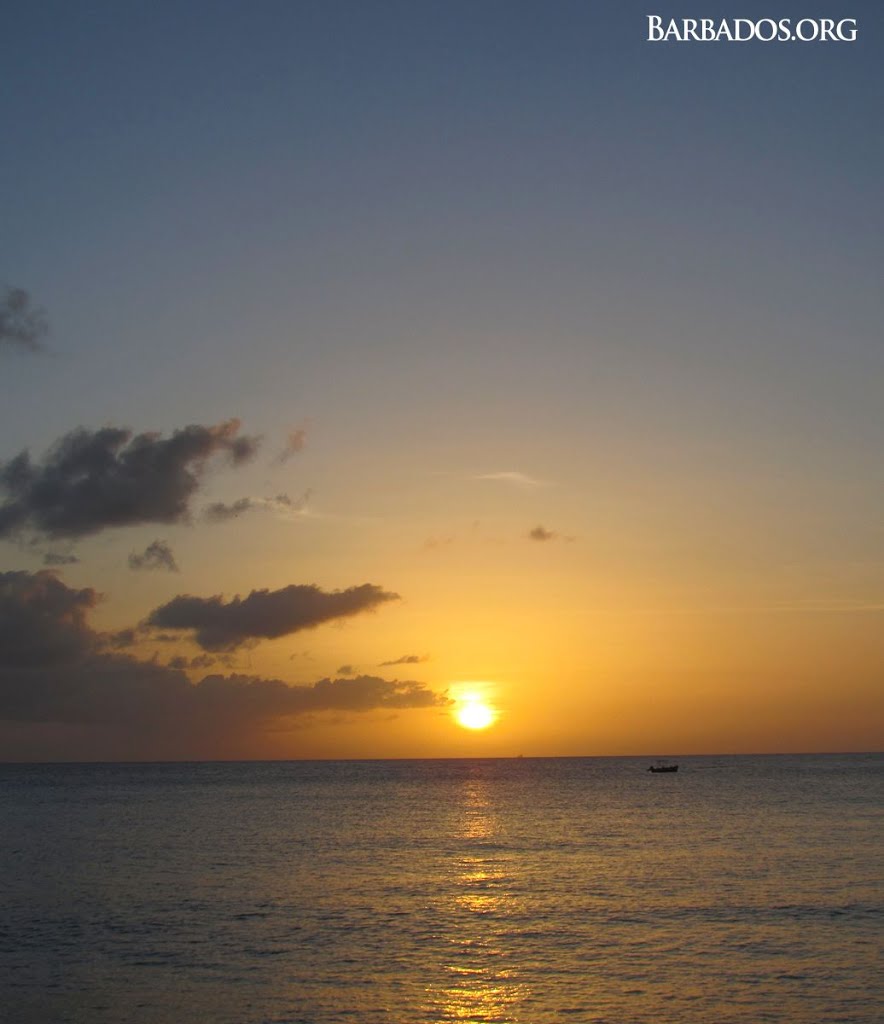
(42, 620)
(281, 505)
(365, 693)
(59, 558)
(21, 325)
(541, 533)
(218, 512)
(265, 614)
(122, 639)
(93, 480)
(434, 543)
(54, 668)
(201, 661)
(514, 478)
(406, 659)
(115, 689)
(346, 670)
(157, 555)
(295, 443)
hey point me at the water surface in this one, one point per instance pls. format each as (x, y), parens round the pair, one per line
(742, 889)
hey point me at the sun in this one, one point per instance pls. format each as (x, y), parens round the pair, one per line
(475, 714)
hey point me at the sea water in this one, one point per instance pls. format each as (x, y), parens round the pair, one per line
(741, 889)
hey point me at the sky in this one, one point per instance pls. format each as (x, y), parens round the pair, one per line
(360, 362)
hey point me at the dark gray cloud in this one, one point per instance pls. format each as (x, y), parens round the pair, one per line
(59, 558)
(219, 625)
(157, 555)
(42, 620)
(21, 324)
(406, 659)
(55, 669)
(119, 690)
(203, 661)
(122, 639)
(92, 480)
(363, 693)
(218, 512)
(101, 689)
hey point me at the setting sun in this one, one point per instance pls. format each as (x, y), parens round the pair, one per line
(475, 715)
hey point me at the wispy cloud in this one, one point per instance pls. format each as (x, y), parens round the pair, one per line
(58, 558)
(406, 659)
(157, 555)
(819, 607)
(219, 512)
(434, 543)
(282, 505)
(514, 478)
(542, 534)
(199, 661)
(296, 441)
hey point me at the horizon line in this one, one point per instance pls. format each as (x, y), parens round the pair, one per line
(490, 757)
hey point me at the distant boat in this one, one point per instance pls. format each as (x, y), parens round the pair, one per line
(662, 766)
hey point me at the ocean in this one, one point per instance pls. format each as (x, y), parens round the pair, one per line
(741, 889)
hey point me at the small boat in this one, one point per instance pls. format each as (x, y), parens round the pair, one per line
(662, 766)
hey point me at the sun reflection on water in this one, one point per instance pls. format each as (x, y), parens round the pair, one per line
(480, 983)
